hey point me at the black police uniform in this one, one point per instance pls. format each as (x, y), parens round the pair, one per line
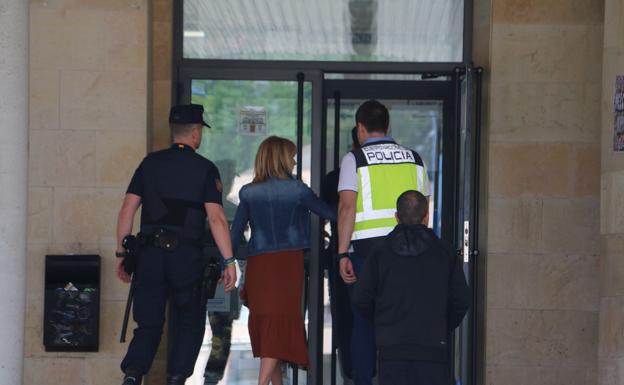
(174, 184)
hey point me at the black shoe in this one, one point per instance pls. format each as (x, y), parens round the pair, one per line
(131, 380)
(132, 377)
(176, 380)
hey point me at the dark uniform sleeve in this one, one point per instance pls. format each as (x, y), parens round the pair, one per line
(136, 183)
(213, 188)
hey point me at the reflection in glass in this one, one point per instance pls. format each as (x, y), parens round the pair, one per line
(230, 144)
(324, 30)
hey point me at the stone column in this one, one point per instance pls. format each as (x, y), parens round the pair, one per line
(14, 26)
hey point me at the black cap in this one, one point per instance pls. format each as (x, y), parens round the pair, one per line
(187, 114)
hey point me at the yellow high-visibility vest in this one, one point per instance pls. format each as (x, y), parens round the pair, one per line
(385, 170)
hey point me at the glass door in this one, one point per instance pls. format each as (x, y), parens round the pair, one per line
(244, 110)
(468, 344)
(422, 117)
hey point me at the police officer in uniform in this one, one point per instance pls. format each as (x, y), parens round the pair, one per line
(178, 190)
(372, 177)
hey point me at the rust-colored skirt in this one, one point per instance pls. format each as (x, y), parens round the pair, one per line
(272, 292)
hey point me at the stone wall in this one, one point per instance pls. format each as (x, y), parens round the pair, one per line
(611, 346)
(543, 191)
(88, 121)
(161, 60)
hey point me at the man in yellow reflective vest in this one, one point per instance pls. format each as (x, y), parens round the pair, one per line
(371, 179)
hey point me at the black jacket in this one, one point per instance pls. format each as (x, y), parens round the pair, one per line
(414, 288)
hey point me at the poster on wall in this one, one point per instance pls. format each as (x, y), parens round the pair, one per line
(618, 121)
(253, 121)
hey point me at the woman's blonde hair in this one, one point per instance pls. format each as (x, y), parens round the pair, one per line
(274, 159)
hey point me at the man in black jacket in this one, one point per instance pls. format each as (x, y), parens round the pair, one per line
(414, 289)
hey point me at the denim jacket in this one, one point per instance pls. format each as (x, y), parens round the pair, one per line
(278, 212)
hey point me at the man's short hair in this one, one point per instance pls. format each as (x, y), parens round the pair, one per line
(412, 207)
(374, 116)
(182, 129)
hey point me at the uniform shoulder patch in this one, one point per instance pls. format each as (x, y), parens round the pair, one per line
(219, 185)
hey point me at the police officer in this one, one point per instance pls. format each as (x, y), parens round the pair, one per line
(178, 189)
(371, 179)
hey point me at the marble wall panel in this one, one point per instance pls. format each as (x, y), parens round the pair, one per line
(546, 53)
(42, 371)
(97, 100)
(33, 328)
(81, 39)
(538, 112)
(62, 158)
(162, 50)
(612, 265)
(75, 216)
(542, 338)
(585, 169)
(118, 153)
(611, 336)
(612, 203)
(514, 225)
(548, 12)
(96, 5)
(35, 271)
(109, 202)
(571, 226)
(111, 317)
(611, 371)
(529, 169)
(613, 24)
(40, 204)
(101, 371)
(45, 88)
(162, 10)
(540, 375)
(557, 282)
(161, 134)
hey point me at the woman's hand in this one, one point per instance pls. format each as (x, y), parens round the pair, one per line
(229, 278)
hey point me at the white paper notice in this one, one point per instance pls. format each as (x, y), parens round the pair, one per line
(253, 121)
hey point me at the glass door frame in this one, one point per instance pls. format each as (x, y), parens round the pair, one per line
(434, 90)
(182, 94)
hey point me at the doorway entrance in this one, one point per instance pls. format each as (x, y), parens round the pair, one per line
(429, 112)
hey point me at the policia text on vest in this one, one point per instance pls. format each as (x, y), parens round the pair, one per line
(384, 169)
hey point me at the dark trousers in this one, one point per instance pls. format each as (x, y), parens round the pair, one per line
(363, 349)
(413, 373)
(161, 274)
(341, 313)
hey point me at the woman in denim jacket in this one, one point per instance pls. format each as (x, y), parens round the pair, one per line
(277, 208)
